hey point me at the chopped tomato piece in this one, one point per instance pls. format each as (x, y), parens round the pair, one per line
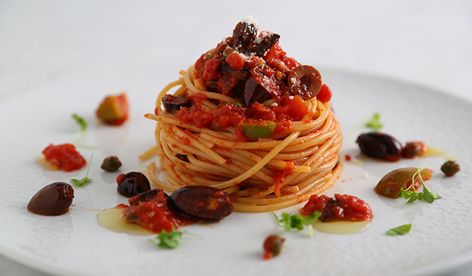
(296, 107)
(235, 61)
(114, 109)
(325, 94)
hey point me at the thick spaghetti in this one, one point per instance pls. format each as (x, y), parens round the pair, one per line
(297, 159)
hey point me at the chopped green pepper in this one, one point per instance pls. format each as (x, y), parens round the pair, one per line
(262, 130)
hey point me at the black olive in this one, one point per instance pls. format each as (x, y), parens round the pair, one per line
(111, 164)
(265, 44)
(305, 81)
(243, 35)
(173, 103)
(255, 92)
(380, 146)
(201, 202)
(132, 184)
(52, 200)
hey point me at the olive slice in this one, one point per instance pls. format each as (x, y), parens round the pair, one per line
(201, 202)
(305, 81)
(393, 182)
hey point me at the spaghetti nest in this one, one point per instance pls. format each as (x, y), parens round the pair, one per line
(262, 175)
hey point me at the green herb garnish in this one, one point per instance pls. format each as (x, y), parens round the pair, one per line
(169, 240)
(399, 230)
(85, 180)
(80, 121)
(374, 122)
(297, 222)
(411, 195)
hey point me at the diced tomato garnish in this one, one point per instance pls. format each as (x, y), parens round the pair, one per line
(325, 94)
(235, 61)
(65, 157)
(296, 107)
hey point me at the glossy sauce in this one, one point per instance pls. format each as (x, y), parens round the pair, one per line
(342, 227)
(112, 219)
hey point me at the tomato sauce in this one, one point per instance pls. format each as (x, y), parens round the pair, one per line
(64, 157)
(153, 213)
(252, 68)
(279, 177)
(339, 208)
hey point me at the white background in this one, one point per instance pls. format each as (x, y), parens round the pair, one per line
(427, 42)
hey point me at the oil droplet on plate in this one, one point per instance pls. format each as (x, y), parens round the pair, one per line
(435, 152)
(342, 227)
(112, 219)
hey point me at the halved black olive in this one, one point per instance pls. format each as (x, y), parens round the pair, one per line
(243, 35)
(173, 103)
(305, 81)
(201, 202)
(265, 44)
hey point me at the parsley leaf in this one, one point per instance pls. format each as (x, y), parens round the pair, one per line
(84, 181)
(169, 240)
(374, 122)
(80, 121)
(429, 196)
(399, 230)
(412, 196)
(81, 182)
(296, 222)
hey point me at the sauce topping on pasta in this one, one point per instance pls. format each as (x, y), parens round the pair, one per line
(269, 88)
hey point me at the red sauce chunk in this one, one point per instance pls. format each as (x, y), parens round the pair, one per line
(64, 157)
(150, 211)
(339, 208)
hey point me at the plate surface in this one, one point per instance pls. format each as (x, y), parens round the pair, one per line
(74, 244)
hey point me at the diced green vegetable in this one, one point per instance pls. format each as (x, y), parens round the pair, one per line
(261, 130)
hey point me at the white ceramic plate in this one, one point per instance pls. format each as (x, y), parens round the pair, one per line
(74, 244)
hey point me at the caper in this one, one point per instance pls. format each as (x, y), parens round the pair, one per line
(450, 168)
(111, 164)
